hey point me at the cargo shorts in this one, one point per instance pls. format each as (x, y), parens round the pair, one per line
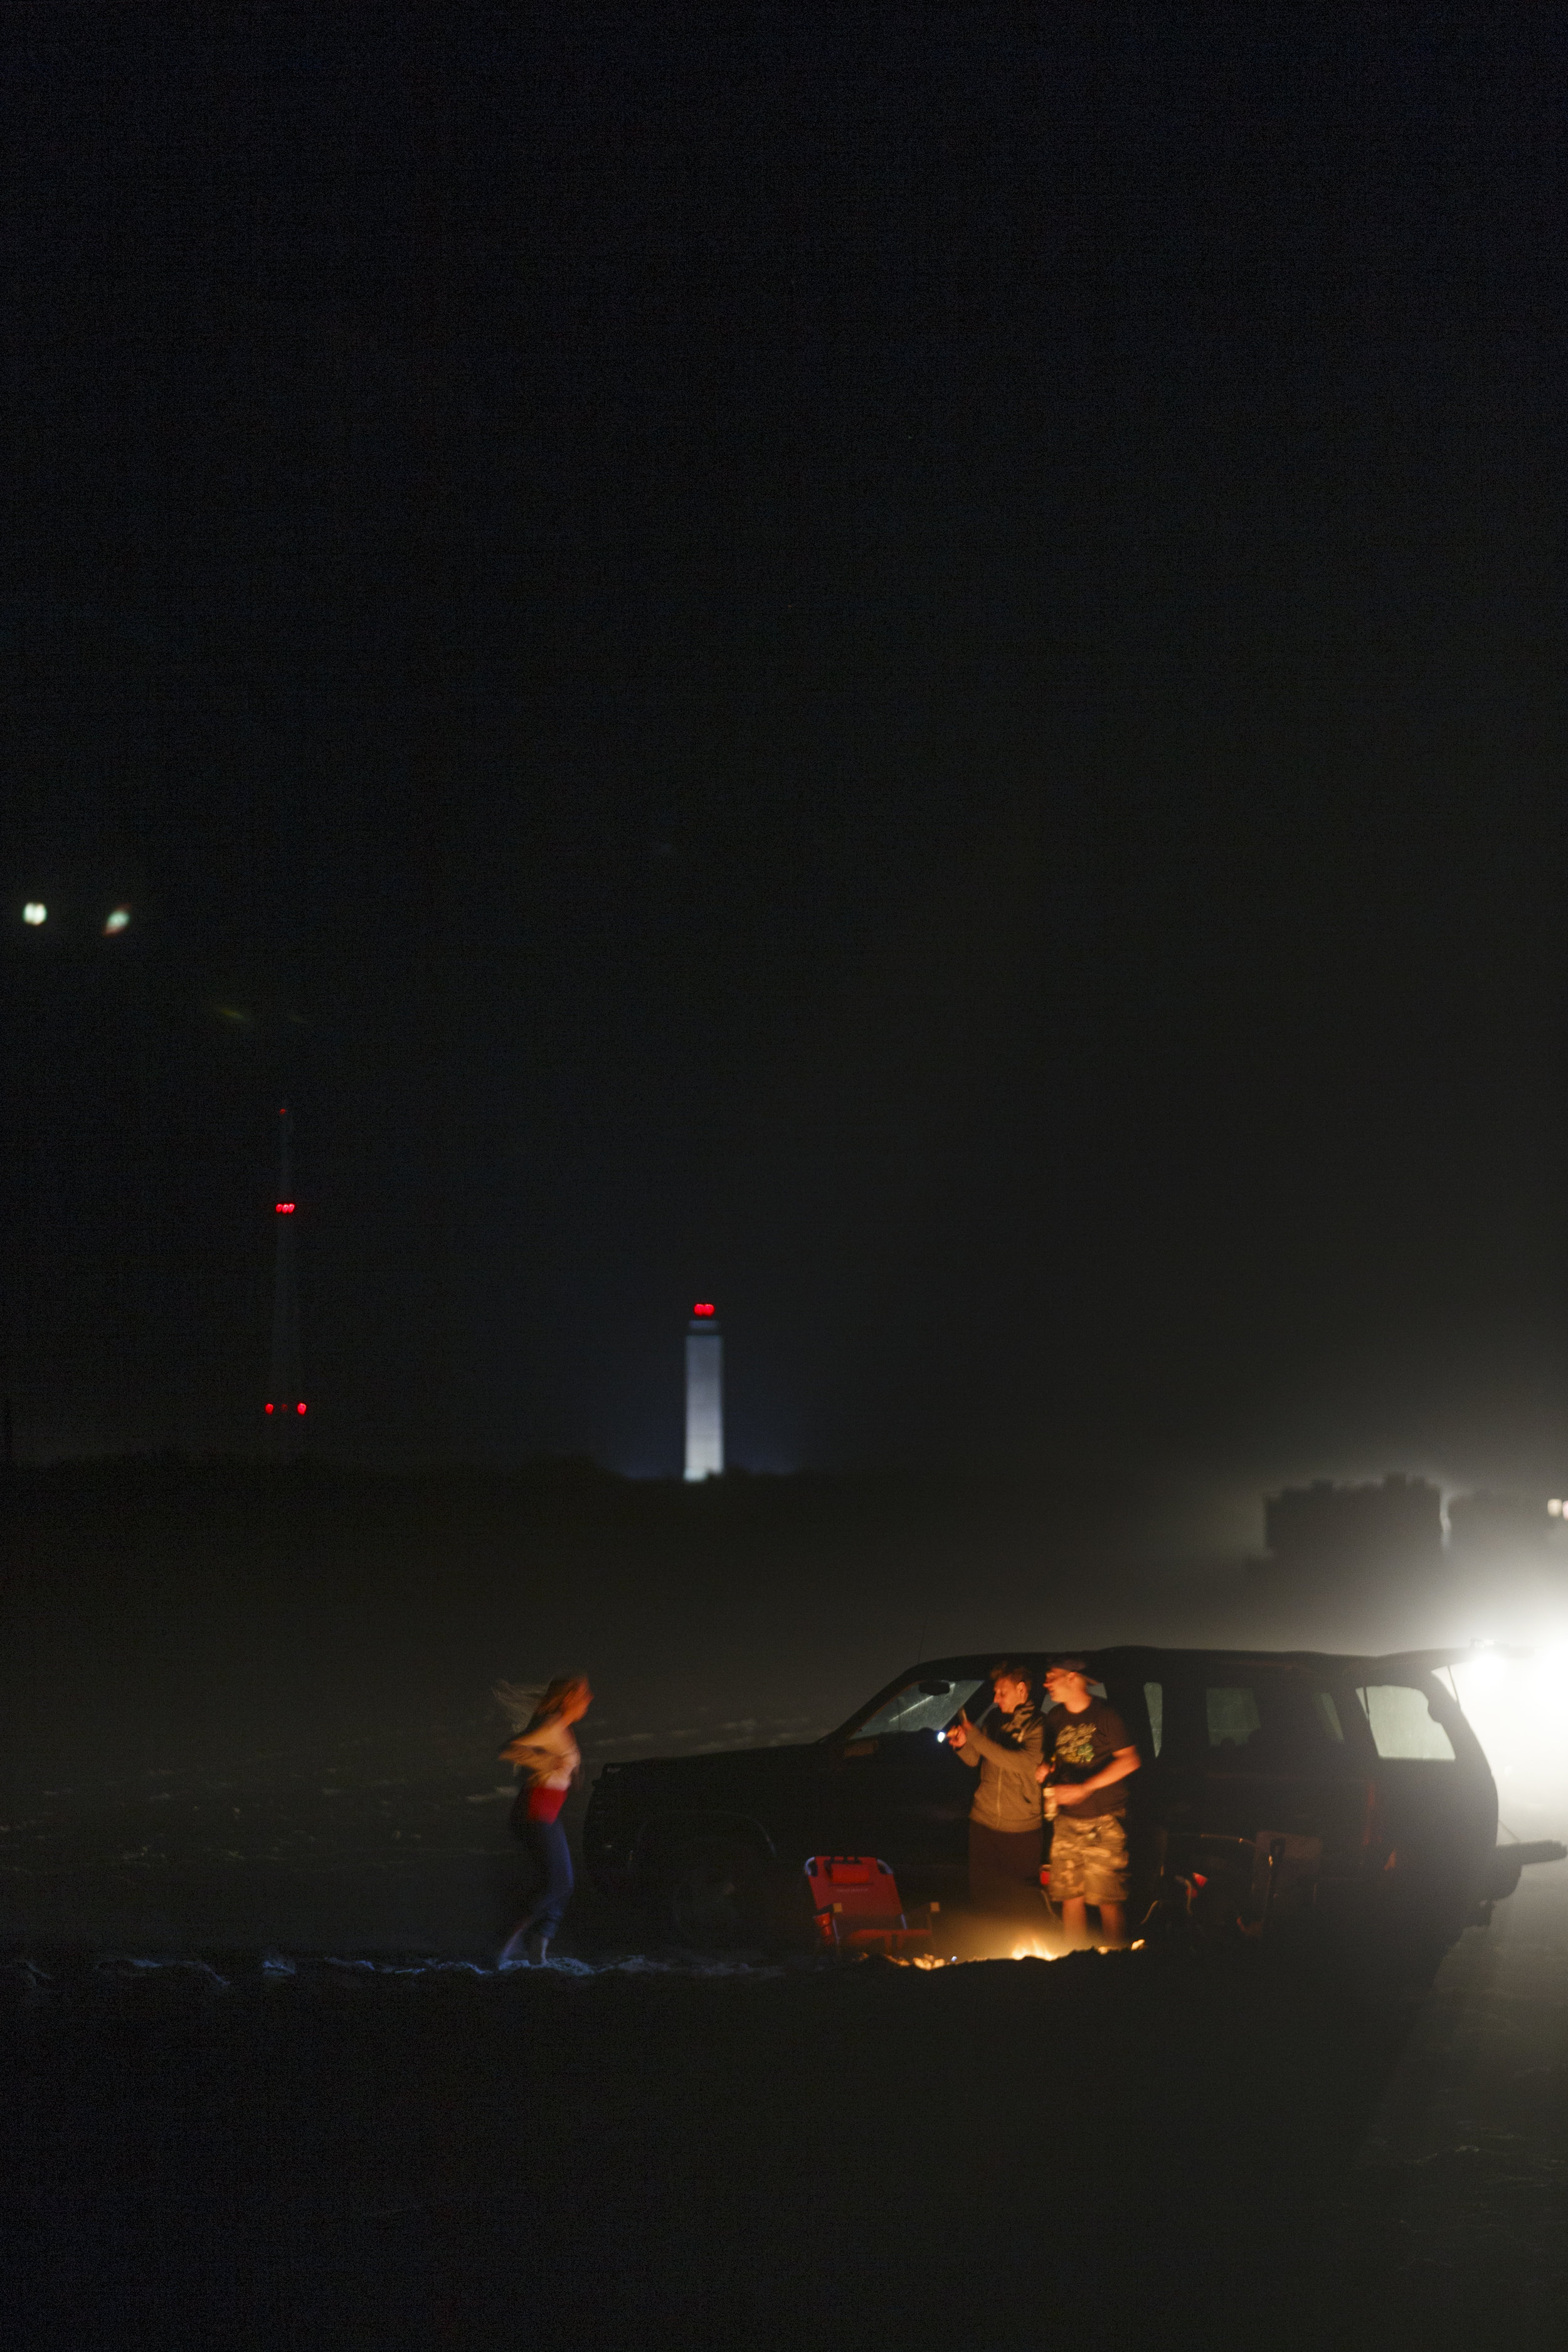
(1089, 1859)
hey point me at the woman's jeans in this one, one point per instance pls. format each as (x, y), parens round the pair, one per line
(546, 1842)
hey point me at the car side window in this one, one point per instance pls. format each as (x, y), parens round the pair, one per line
(1278, 1722)
(1403, 1724)
(1231, 1712)
(1326, 1708)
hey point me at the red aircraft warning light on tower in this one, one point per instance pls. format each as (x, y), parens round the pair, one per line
(285, 1406)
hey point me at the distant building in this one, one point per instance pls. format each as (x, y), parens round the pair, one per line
(704, 1394)
(1392, 1522)
(1498, 1526)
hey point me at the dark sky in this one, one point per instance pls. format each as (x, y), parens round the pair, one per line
(900, 666)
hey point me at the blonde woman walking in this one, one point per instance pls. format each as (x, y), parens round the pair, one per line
(547, 1757)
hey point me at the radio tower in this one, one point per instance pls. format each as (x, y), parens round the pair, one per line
(704, 1394)
(285, 1405)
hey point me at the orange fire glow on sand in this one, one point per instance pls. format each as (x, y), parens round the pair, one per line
(1032, 1951)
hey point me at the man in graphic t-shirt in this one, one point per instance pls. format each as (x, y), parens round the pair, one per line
(1088, 1757)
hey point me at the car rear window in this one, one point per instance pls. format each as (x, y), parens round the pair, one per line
(1403, 1724)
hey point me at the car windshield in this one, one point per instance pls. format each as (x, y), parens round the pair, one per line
(925, 1705)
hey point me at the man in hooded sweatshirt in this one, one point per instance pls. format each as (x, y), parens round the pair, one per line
(1004, 1834)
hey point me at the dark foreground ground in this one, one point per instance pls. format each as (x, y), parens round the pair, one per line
(345, 2159)
(1099, 2150)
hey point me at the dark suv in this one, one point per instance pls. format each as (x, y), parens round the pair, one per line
(1337, 1800)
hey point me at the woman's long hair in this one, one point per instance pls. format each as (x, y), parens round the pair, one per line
(529, 1705)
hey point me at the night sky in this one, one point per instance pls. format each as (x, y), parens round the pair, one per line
(901, 667)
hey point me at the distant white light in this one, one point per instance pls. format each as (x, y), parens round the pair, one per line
(117, 921)
(35, 912)
(1484, 1669)
(1555, 1506)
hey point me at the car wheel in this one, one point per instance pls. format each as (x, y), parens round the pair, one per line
(713, 1894)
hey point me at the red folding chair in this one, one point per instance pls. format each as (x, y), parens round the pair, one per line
(857, 1907)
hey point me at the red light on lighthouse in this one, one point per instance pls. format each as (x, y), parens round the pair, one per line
(284, 1208)
(702, 1308)
(266, 1408)
(299, 1407)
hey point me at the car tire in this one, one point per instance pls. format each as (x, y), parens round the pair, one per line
(713, 1895)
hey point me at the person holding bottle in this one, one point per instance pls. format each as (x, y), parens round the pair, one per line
(1087, 1757)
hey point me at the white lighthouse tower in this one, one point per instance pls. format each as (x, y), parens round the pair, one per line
(704, 1393)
